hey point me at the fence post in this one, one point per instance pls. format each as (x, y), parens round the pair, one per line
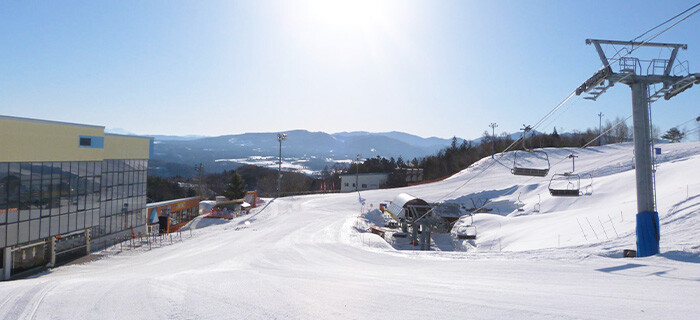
(590, 225)
(613, 225)
(602, 226)
(584, 234)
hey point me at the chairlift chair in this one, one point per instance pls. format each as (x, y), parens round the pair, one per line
(568, 184)
(469, 231)
(519, 205)
(520, 170)
(537, 207)
(530, 171)
(468, 234)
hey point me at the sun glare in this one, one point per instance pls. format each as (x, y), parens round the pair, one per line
(347, 14)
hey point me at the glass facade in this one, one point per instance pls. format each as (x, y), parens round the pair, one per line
(43, 199)
(184, 215)
(123, 196)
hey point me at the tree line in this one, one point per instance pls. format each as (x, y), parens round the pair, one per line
(448, 161)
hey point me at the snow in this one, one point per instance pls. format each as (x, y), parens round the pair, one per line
(304, 257)
(289, 164)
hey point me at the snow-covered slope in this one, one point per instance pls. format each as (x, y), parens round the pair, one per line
(302, 257)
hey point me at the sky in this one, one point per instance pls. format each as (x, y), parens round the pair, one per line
(430, 68)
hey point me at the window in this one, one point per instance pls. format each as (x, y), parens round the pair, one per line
(117, 179)
(347, 184)
(364, 185)
(93, 142)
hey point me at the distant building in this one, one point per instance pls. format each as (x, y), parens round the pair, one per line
(413, 175)
(365, 181)
(172, 215)
(65, 187)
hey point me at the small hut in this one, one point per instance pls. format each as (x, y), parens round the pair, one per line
(408, 207)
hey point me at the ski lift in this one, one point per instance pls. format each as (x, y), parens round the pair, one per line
(469, 231)
(568, 184)
(519, 205)
(522, 170)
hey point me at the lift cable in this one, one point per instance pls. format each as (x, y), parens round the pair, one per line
(667, 21)
(684, 123)
(613, 61)
(572, 94)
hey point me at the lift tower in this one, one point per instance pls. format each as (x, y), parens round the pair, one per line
(660, 73)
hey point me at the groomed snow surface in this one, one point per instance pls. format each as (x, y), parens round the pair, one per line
(303, 258)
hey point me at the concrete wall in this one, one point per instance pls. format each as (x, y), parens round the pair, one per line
(365, 181)
(126, 147)
(28, 140)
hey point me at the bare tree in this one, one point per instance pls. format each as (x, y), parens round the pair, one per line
(621, 132)
(655, 132)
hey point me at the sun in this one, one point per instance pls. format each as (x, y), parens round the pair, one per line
(347, 14)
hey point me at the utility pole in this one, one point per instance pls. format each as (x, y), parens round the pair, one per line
(573, 161)
(199, 168)
(357, 172)
(493, 126)
(638, 78)
(600, 128)
(280, 137)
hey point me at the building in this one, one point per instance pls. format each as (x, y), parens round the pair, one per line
(413, 175)
(172, 215)
(65, 187)
(365, 181)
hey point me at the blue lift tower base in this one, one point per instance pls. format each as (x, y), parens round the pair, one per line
(647, 234)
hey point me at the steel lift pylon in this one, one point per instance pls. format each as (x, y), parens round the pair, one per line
(631, 73)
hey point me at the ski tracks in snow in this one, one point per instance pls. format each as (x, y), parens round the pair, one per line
(26, 305)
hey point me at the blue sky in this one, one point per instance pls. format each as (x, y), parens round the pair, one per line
(431, 68)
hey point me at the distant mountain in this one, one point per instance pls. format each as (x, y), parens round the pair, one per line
(303, 150)
(118, 131)
(312, 150)
(176, 138)
(407, 138)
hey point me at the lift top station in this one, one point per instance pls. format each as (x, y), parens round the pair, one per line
(649, 81)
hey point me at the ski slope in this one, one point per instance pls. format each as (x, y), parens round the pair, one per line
(303, 258)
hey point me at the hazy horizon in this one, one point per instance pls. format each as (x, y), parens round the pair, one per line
(431, 69)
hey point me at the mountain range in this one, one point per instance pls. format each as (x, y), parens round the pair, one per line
(302, 150)
(309, 150)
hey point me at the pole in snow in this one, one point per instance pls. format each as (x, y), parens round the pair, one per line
(357, 172)
(600, 128)
(493, 126)
(280, 137)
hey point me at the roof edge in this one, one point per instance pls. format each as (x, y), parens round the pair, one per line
(50, 122)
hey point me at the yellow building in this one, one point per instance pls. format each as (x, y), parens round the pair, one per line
(63, 186)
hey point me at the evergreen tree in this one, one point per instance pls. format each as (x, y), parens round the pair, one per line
(674, 135)
(236, 187)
